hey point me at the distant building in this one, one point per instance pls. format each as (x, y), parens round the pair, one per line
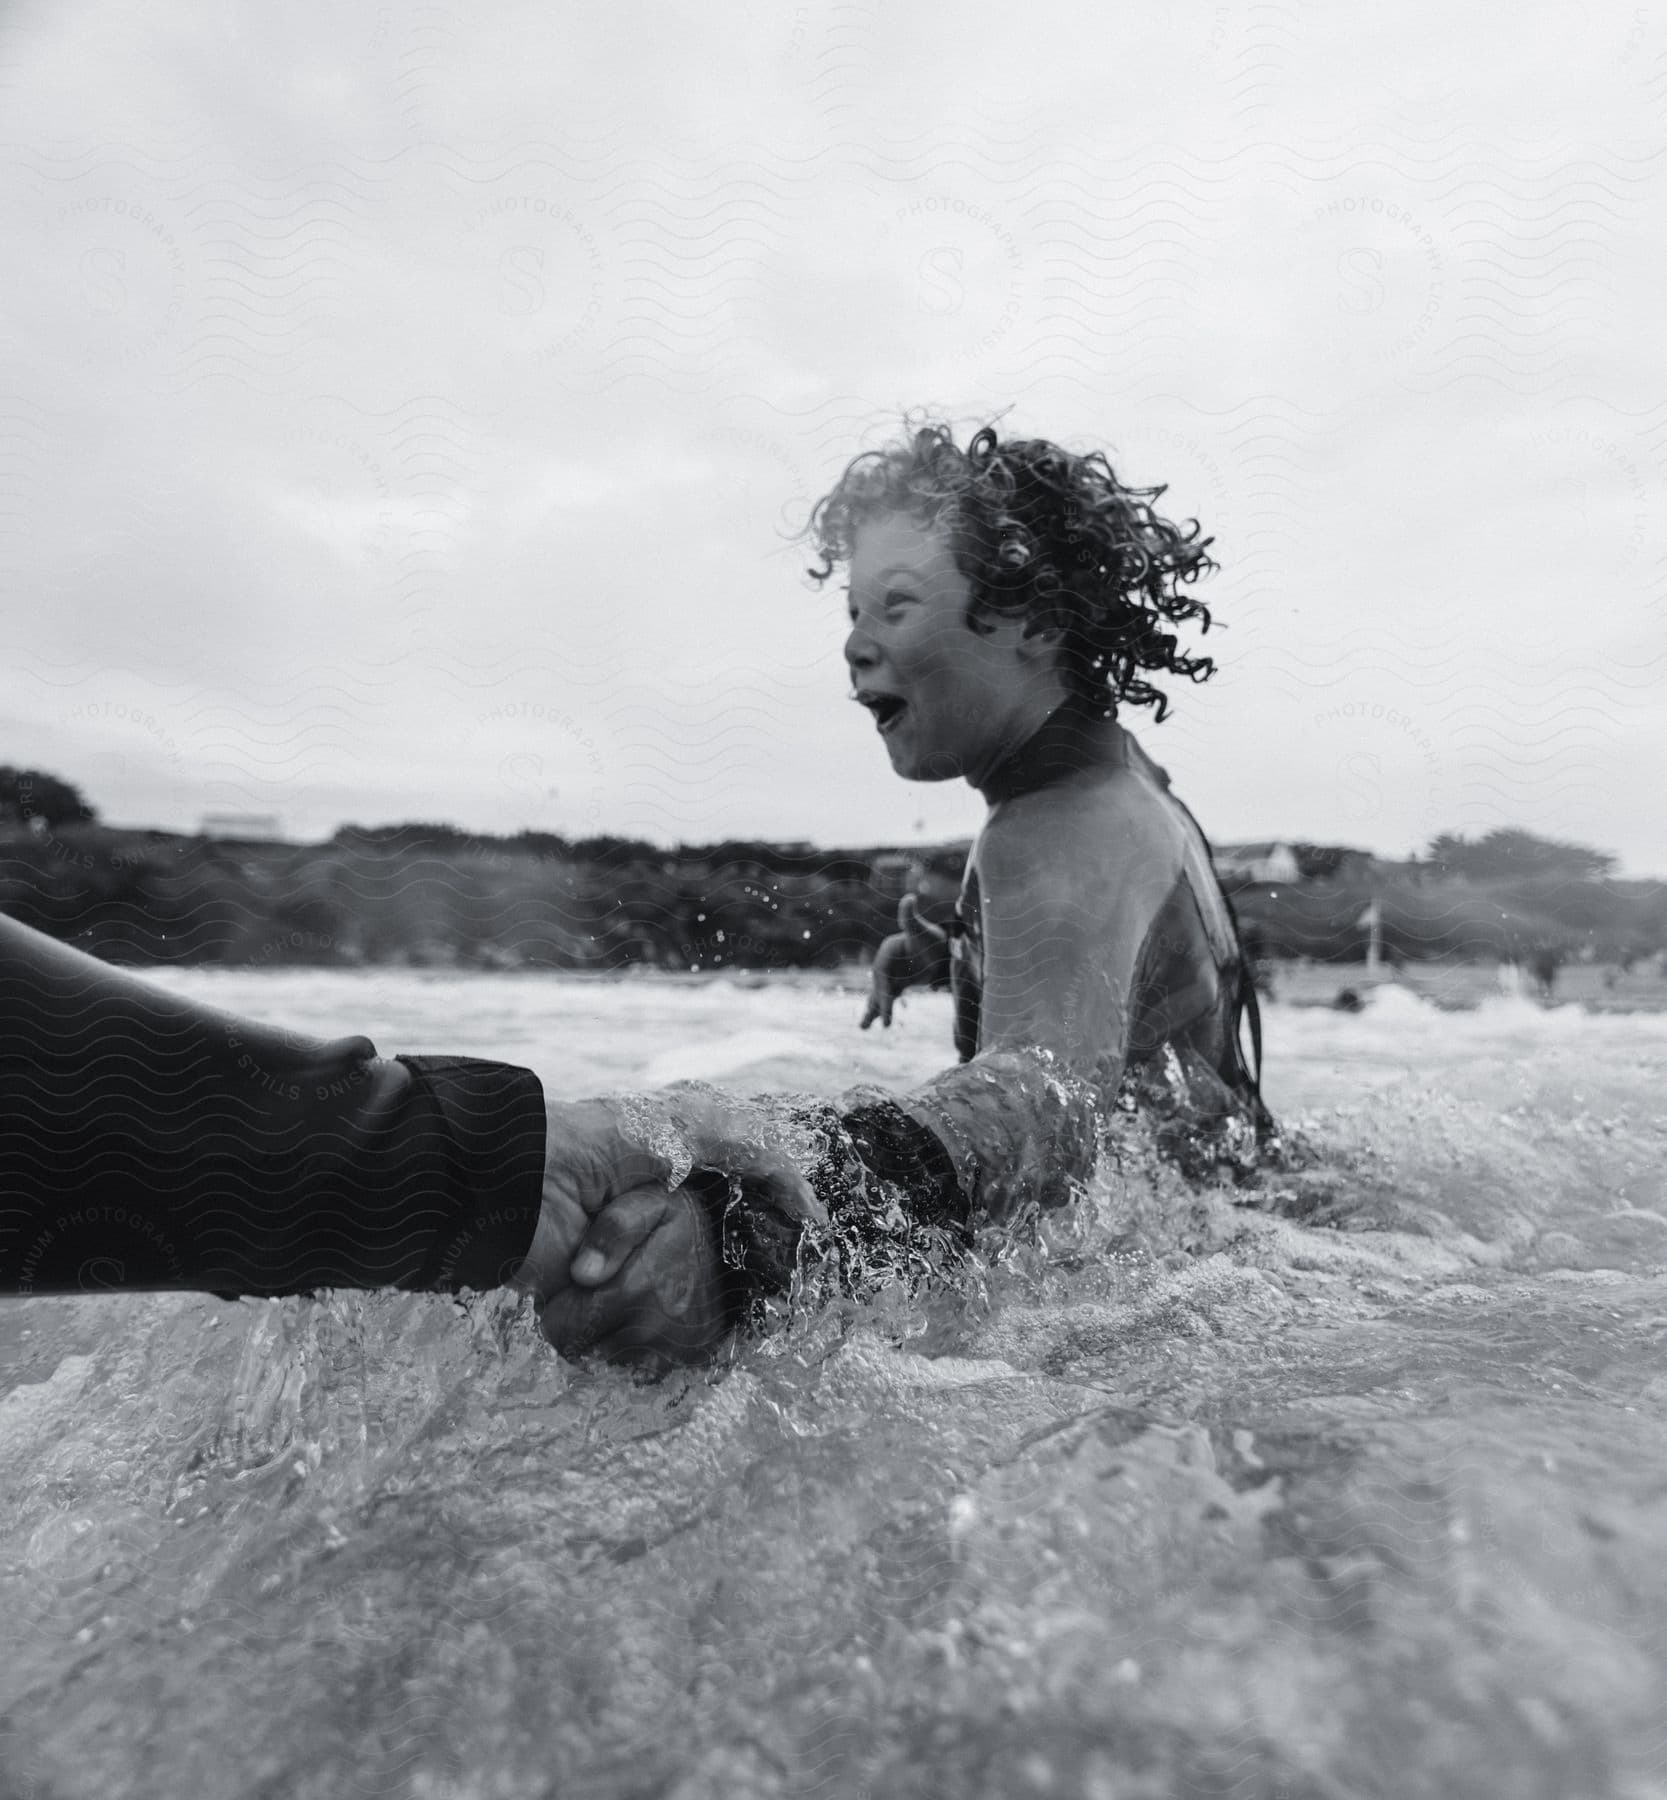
(1270, 862)
(239, 827)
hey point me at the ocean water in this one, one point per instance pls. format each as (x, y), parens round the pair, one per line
(1352, 1485)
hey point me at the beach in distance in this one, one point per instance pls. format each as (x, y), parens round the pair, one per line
(437, 897)
(1349, 1482)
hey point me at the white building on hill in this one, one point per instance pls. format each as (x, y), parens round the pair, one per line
(1270, 862)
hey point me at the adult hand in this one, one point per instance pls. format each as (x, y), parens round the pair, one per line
(646, 1283)
(917, 951)
(626, 1257)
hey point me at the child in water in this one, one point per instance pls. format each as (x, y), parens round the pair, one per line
(1008, 602)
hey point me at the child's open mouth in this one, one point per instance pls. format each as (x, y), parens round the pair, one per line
(886, 708)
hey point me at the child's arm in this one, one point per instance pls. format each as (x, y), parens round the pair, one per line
(1068, 901)
(1069, 895)
(917, 951)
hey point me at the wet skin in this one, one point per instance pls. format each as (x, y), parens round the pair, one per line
(917, 952)
(1071, 879)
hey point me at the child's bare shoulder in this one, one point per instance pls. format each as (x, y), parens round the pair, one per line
(1092, 826)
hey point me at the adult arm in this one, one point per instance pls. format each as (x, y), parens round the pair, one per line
(150, 1141)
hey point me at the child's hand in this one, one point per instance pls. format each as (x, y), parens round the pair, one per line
(917, 951)
(601, 1153)
(645, 1281)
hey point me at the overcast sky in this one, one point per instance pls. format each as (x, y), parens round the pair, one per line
(407, 410)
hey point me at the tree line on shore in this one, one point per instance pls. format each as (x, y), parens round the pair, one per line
(430, 894)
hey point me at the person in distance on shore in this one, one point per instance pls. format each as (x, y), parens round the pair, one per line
(1010, 602)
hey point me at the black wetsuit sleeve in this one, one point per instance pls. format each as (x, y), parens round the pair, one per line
(148, 1141)
(894, 1202)
(469, 1148)
(904, 1186)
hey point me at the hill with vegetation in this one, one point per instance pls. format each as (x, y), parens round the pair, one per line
(1502, 895)
(430, 894)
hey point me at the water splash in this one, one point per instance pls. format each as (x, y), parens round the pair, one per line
(1347, 1481)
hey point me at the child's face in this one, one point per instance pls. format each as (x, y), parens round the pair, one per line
(949, 701)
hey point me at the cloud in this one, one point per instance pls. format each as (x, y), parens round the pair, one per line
(377, 369)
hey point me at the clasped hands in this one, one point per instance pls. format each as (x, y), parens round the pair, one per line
(627, 1258)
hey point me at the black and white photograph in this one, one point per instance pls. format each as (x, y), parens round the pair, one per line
(833, 901)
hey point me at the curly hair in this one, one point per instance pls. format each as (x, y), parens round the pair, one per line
(1044, 535)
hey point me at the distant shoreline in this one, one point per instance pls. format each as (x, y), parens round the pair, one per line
(1299, 986)
(432, 897)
